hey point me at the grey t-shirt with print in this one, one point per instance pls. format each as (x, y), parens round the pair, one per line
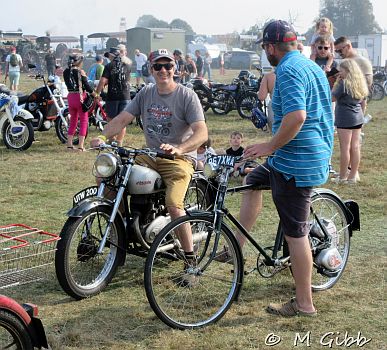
(348, 111)
(167, 118)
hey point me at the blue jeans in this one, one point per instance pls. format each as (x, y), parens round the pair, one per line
(207, 69)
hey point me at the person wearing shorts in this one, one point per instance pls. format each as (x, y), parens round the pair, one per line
(299, 153)
(173, 121)
(116, 75)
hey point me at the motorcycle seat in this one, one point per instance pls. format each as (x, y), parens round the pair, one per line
(23, 99)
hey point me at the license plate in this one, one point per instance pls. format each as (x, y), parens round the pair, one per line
(85, 193)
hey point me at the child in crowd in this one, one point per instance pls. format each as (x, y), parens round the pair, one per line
(201, 158)
(236, 149)
(324, 27)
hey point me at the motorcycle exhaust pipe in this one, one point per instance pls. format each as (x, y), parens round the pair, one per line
(196, 237)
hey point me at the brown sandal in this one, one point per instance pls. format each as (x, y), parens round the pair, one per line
(288, 309)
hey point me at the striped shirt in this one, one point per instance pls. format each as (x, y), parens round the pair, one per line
(302, 85)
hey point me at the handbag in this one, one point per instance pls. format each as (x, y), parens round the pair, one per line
(87, 102)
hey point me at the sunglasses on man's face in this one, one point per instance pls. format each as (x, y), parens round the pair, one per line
(157, 66)
(326, 48)
(340, 50)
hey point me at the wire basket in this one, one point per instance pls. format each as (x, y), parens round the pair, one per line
(25, 252)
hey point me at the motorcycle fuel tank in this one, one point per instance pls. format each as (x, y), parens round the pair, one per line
(143, 180)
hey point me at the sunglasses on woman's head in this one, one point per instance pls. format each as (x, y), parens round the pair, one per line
(158, 66)
(323, 47)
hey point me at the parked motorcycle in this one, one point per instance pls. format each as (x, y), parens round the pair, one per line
(20, 328)
(102, 229)
(15, 122)
(48, 107)
(223, 98)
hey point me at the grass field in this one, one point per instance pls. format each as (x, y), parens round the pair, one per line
(36, 188)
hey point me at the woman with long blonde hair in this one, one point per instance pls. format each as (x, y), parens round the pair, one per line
(349, 91)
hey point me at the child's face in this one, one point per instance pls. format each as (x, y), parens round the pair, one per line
(201, 150)
(236, 140)
(323, 28)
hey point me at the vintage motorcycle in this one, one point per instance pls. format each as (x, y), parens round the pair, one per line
(223, 98)
(47, 105)
(15, 122)
(121, 216)
(20, 328)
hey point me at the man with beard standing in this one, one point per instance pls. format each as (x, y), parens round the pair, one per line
(298, 156)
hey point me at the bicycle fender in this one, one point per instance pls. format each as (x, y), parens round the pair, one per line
(13, 306)
(351, 209)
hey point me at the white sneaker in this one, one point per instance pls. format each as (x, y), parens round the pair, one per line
(339, 181)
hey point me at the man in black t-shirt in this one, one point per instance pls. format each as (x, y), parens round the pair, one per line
(117, 76)
(50, 62)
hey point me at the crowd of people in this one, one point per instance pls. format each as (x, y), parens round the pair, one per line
(302, 119)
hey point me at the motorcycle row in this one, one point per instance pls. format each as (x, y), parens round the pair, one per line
(45, 107)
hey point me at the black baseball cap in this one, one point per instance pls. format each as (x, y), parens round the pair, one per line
(275, 32)
(115, 51)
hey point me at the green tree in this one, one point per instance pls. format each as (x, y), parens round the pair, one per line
(350, 17)
(149, 21)
(181, 24)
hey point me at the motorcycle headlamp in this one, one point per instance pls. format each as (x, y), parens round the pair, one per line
(106, 165)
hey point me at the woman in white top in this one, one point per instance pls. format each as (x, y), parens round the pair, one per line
(12, 69)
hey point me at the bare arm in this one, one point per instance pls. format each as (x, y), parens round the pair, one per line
(289, 128)
(199, 136)
(263, 89)
(102, 82)
(113, 128)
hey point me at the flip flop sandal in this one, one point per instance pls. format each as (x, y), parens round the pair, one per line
(70, 148)
(288, 309)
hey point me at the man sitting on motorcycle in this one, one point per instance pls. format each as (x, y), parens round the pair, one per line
(173, 121)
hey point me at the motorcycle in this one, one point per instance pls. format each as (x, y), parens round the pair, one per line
(102, 229)
(223, 98)
(20, 328)
(48, 107)
(15, 123)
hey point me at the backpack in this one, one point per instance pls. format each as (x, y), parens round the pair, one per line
(118, 78)
(145, 69)
(13, 61)
(93, 73)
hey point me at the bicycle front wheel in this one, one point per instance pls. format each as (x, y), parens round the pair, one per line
(188, 296)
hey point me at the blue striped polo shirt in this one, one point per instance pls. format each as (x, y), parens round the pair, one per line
(302, 85)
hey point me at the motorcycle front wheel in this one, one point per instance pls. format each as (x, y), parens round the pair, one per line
(13, 333)
(80, 270)
(18, 142)
(62, 130)
(246, 104)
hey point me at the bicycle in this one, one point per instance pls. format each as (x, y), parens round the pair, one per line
(213, 285)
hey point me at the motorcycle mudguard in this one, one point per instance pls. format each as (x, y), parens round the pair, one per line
(93, 202)
(25, 114)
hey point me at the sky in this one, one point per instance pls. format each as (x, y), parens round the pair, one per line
(75, 17)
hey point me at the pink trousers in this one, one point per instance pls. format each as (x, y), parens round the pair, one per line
(75, 110)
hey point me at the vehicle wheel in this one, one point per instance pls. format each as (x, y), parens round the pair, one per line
(203, 98)
(62, 130)
(377, 92)
(223, 102)
(195, 296)
(82, 272)
(198, 195)
(331, 213)
(13, 332)
(18, 142)
(246, 104)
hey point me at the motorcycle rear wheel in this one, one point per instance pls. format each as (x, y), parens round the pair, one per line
(21, 142)
(225, 106)
(62, 130)
(13, 333)
(80, 270)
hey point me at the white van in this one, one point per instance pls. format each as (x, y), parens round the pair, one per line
(265, 64)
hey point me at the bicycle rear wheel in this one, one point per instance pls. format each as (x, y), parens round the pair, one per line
(330, 211)
(188, 297)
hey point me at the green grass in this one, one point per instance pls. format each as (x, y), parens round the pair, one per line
(36, 188)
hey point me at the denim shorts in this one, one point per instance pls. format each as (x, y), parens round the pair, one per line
(292, 203)
(14, 77)
(114, 108)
